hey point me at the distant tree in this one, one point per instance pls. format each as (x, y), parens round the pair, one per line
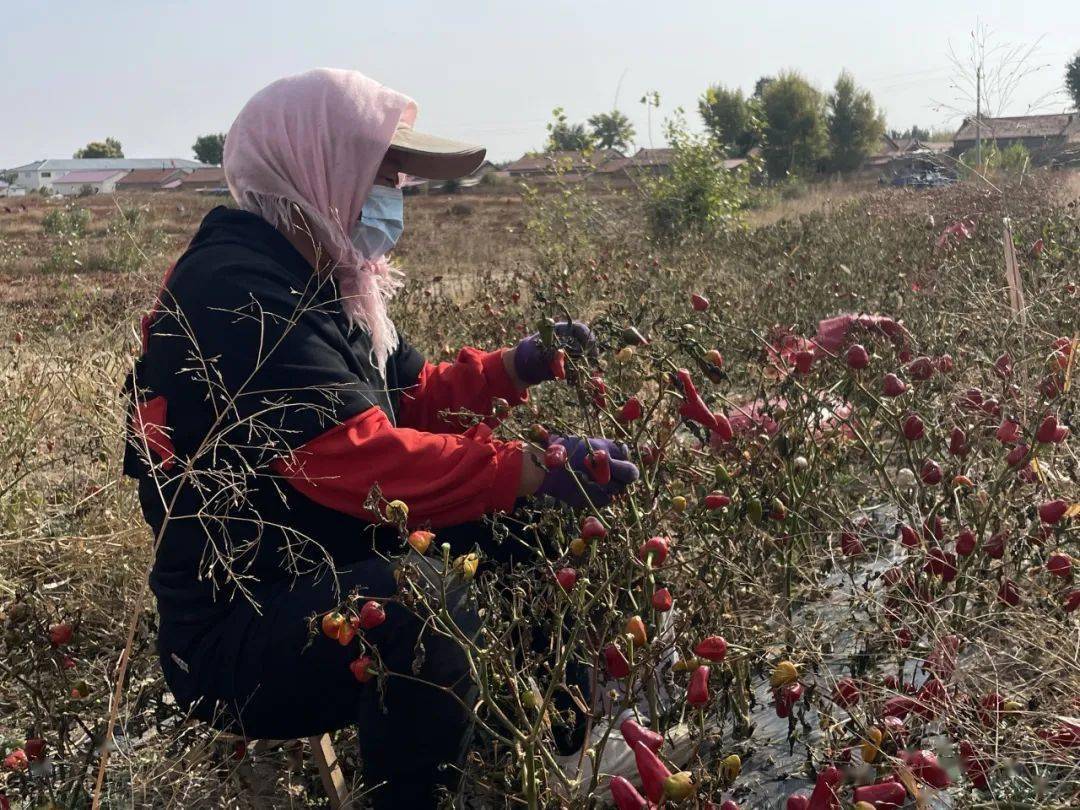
(795, 139)
(209, 148)
(761, 84)
(8, 176)
(916, 132)
(698, 194)
(612, 130)
(564, 136)
(854, 124)
(729, 117)
(1072, 79)
(109, 148)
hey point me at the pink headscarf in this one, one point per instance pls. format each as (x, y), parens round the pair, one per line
(315, 140)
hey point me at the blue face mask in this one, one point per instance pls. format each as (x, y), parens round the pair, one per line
(382, 219)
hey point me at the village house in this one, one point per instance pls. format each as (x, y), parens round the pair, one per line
(207, 178)
(898, 156)
(150, 179)
(98, 181)
(895, 152)
(655, 163)
(41, 173)
(567, 165)
(1034, 132)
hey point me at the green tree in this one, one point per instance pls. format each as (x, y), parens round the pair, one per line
(564, 136)
(795, 139)
(916, 132)
(729, 117)
(854, 124)
(761, 84)
(8, 176)
(612, 130)
(1072, 79)
(1011, 161)
(209, 148)
(698, 195)
(109, 148)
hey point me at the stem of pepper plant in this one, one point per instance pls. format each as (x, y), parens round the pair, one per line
(529, 788)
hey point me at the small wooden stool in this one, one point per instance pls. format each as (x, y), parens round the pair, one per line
(322, 750)
(330, 771)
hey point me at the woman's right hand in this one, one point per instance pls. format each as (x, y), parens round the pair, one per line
(582, 480)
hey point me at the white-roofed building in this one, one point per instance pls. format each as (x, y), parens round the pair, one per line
(42, 173)
(100, 181)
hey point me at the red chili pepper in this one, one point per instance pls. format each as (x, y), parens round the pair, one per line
(615, 661)
(652, 771)
(958, 445)
(723, 430)
(786, 697)
(650, 454)
(697, 694)
(1052, 512)
(995, 546)
(35, 749)
(693, 408)
(899, 706)
(1047, 431)
(976, 767)
(567, 578)
(598, 465)
(846, 693)
(661, 600)
(625, 795)
(965, 542)
(1064, 735)
(557, 366)
(633, 733)
(713, 648)
(883, 795)
(372, 614)
(824, 796)
(361, 669)
(924, 764)
(630, 411)
(591, 528)
(60, 634)
(658, 547)
(716, 500)
(599, 391)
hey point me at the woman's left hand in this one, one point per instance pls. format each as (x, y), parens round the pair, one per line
(531, 359)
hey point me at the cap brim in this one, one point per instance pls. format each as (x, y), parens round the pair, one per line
(434, 158)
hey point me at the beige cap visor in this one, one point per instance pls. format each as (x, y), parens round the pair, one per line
(435, 158)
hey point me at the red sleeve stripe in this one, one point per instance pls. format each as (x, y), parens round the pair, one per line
(470, 383)
(444, 479)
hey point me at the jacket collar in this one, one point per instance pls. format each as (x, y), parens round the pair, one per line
(233, 226)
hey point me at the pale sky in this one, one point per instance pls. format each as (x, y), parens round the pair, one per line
(157, 74)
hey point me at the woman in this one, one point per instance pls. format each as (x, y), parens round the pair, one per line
(276, 410)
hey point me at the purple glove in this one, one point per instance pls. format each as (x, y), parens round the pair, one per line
(532, 360)
(560, 482)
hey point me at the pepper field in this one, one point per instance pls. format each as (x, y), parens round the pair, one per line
(890, 560)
